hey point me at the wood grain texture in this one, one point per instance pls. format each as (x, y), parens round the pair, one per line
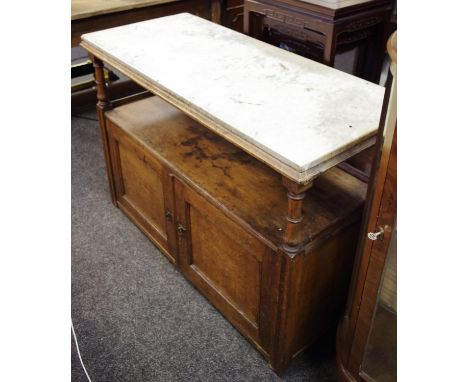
(388, 289)
(325, 268)
(238, 254)
(142, 185)
(216, 257)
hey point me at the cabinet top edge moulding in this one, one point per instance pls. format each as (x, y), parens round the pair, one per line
(81, 9)
(298, 116)
(337, 4)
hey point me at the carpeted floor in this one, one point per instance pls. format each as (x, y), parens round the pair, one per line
(135, 316)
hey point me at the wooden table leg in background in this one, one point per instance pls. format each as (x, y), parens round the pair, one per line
(329, 51)
(216, 11)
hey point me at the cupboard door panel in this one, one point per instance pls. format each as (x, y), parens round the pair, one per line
(224, 261)
(143, 191)
(143, 188)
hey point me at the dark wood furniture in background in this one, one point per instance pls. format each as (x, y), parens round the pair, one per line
(318, 29)
(366, 337)
(232, 14)
(92, 15)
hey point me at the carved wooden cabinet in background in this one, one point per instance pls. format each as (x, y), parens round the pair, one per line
(318, 29)
(232, 15)
(218, 214)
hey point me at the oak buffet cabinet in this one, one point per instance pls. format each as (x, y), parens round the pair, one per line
(218, 214)
(269, 244)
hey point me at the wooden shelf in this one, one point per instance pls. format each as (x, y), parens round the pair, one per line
(242, 185)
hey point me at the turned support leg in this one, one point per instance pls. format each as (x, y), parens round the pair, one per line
(296, 193)
(103, 104)
(293, 247)
(101, 85)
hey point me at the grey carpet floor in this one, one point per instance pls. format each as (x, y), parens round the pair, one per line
(135, 315)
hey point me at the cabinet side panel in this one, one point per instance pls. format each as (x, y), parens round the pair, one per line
(319, 285)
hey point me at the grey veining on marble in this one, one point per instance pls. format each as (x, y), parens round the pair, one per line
(298, 111)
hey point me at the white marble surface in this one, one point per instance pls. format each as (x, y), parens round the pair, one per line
(337, 4)
(298, 111)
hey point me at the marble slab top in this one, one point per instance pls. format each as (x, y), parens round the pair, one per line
(336, 4)
(81, 9)
(298, 116)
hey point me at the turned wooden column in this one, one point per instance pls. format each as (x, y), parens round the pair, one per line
(296, 193)
(103, 104)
